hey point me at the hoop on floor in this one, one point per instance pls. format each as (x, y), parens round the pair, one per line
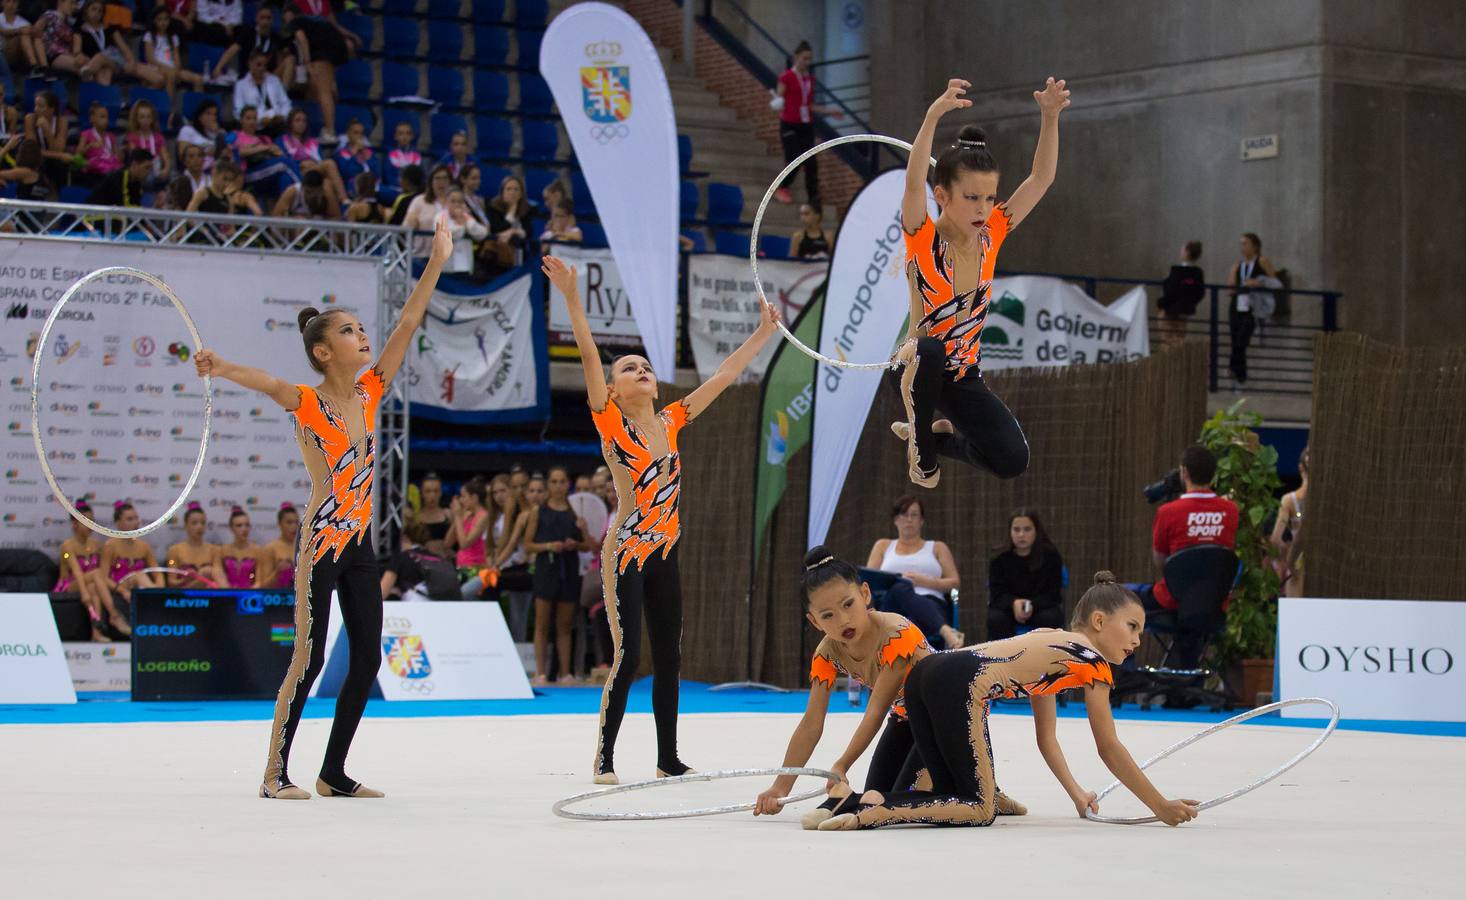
(560, 810)
(1217, 801)
(758, 222)
(41, 344)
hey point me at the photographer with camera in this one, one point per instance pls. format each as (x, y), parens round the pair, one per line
(1197, 516)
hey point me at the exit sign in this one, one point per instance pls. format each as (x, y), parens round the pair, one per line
(1263, 146)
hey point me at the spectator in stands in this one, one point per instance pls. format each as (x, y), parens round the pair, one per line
(262, 90)
(366, 209)
(278, 557)
(469, 532)
(471, 181)
(124, 187)
(1182, 290)
(598, 481)
(98, 146)
(555, 535)
(512, 211)
(402, 155)
(28, 173)
(81, 571)
(519, 483)
(241, 556)
(198, 560)
(415, 572)
(929, 572)
(1287, 536)
(796, 106)
(305, 152)
(215, 21)
(508, 557)
(225, 193)
(321, 46)
(411, 189)
(810, 241)
(427, 206)
(309, 198)
(15, 42)
(257, 37)
(107, 50)
(1199, 516)
(163, 51)
(562, 226)
(54, 41)
(123, 560)
(1253, 270)
(143, 134)
(457, 156)
(1025, 580)
(203, 131)
(261, 159)
(49, 127)
(432, 514)
(465, 230)
(355, 154)
(176, 195)
(191, 163)
(553, 192)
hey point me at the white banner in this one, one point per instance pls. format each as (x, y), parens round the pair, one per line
(32, 662)
(608, 81)
(607, 306)
(99, 667)
(449, 651)
(121, 407)
(476, 353)
(723, 306)
(1378, 659)
(1034, 321)
(866, 303)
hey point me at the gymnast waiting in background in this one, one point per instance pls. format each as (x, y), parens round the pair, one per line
(1025, 579)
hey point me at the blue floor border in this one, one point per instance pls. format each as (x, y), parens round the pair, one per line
(108, 708)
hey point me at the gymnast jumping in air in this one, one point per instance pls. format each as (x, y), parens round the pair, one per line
(947, 698)
(877, 649)
(949, 264)
(639, 575)
(334, 426)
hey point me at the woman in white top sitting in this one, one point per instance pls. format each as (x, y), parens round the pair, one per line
(423, 212)
(929, 572)
(464, 230)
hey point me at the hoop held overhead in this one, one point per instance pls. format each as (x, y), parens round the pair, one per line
(41, 344)
(560, 810)
(1217, 801)
(758, 222)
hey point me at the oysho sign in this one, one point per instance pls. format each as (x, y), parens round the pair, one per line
(1378, 659)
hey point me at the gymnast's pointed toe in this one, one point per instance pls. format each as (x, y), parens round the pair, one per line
(844, 822)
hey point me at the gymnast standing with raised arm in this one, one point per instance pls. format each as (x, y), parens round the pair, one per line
(334, 428)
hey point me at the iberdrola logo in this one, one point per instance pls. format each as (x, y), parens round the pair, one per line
(995, 341)
(778, 439)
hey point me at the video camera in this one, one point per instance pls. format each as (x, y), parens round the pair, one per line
(1167, 489)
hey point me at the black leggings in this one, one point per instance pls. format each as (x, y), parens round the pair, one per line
(986, 434)
(1001, 623)
(798, 137)
(1241, 324)
(922, 610)
(653, 591)
(357, 583)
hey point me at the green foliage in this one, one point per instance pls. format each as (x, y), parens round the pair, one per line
(1247, 473)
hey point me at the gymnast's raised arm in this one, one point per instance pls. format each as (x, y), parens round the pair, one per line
(563, 277)
(733, 366)
(206, 362)
(913, 202)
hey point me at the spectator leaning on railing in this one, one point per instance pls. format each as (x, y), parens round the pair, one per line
(1182, 290)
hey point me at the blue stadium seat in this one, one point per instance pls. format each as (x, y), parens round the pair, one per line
(354, 80)
(345, 112)
(534, 96)
(72, 193)
(313, 116)
(445, 86)
(535, 181)
(774, 246)
(156, 96)
(541, 141)
(593, 235)
(394, 115)
(699, 240)
(585, 205)
(189, 101)
(400, 37)
(109, 95)
(34, 86)
(490, 91)
(364, 27)
(490, 177)
(529, 48)
(203, 57)
(494, 137)
(531, 13)
(445, 42)
(684, 153)
(445, 9)
(490, 45)
(689, 200)
(400, 80)
(443, 127)
(731, 242)
(485, 11)
(399, 7)
(725, 204)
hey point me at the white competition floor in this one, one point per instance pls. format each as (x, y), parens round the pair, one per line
(168, 809)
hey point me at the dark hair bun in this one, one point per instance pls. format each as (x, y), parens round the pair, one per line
(1105, 576)
(972, 133)
(305, 315)
(817, 556)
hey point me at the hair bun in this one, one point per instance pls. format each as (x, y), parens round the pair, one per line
(818, 556)
(305, 315)
(194, 504)
(972, 134)
(235, 509)
(287, 505)
(118, 504)
(1105, 576)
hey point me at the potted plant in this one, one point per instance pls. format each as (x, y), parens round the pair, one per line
(1247, 473)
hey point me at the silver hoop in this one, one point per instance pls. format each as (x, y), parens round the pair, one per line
(198, 344)
(560, 810)
(168, 570)
(758, 222)
(1217, 801)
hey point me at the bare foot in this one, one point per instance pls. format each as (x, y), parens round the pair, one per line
(539, 681)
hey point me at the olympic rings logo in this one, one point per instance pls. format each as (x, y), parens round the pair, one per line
(605, 134)
(417, 687)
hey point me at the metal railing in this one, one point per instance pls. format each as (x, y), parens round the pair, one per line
(250, 234)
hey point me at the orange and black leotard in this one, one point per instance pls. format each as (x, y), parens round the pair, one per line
(950, 301)
(341, 506)
(648, 487)
(903, 640)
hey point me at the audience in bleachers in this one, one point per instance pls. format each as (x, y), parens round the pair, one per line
(143, 133)
(164, 51)
(465, 231)
(263, 91)
(124, 187)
